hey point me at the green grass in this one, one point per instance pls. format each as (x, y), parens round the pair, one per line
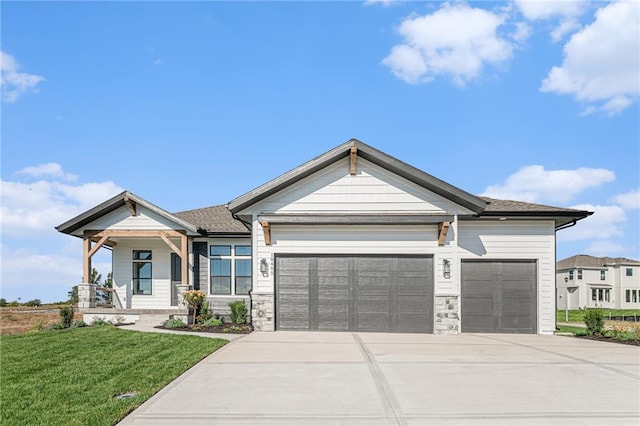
(69, 377)
(576, 316)
(571, 329)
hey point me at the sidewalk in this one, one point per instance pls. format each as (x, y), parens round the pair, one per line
(150, 329)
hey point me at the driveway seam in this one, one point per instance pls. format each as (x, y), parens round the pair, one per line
(389, 401)
(574, 358)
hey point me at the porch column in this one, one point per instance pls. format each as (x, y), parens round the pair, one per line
(184, 254)
(86, 259)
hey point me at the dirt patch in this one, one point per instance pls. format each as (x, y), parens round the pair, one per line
(21, 320)
(633, 342)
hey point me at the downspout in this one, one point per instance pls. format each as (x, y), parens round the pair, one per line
(250, 228)
(555, 284)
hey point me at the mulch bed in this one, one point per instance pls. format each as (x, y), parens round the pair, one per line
(611, 340)
(223, 329)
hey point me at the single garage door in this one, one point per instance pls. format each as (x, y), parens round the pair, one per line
(355, 293)
(499, 297)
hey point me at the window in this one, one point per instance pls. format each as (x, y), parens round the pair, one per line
(629, 272)
(603, 275)
(176, 267)
(634, 296)
(571, 274)
(243, 276)
(230, 264)
(142, 272)
(601, 294)
(579, 274)
(627, 296)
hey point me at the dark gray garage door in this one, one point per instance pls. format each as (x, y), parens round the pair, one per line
(498, 297)
(355, 293)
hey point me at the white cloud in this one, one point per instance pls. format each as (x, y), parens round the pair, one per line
(535, 184)
(565, 12)
(456, 41)
(629, 200)
(537, 10)
(30, 208)
(384, 3)
(602, 62)
(29, 273)
(606, 222)
(523, 32)
(606, 248)
(53, 170)
(14, 82)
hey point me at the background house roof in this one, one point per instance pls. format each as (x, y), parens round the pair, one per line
(214, 220)
(586, 261)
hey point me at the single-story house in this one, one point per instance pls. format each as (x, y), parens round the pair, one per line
(585, 281)
(352, 240)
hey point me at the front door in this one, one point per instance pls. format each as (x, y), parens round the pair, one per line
(176, 277)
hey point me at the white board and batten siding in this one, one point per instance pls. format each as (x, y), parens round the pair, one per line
(512, 240)
(372, 190)
(160, 297)
(121, 219)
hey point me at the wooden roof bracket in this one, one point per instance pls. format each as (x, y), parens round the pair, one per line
(443, 228)
(266, 229)
(131, 205)
(352, 164)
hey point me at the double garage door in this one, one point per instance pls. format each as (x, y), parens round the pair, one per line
(499, 297)
(355, 293)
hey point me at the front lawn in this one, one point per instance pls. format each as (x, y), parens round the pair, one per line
(576, 315)
(70, 377)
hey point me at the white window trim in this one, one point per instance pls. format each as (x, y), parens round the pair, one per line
(232, 258)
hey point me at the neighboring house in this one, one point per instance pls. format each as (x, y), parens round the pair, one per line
(351, 240)
(604, 282)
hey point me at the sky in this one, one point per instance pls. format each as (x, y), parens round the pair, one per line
(191, 104)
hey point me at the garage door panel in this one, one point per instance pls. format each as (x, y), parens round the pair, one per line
(499, 296)
(361, 293)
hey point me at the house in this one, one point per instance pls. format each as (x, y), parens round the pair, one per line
(353, 239)
(604, 282)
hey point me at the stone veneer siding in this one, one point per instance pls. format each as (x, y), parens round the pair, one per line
(447, 319)
(262, 313)
(86, 296)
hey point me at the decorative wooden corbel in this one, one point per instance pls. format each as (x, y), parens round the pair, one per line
(131, 205)
(266, 229)
(354, 156)
(443, 228)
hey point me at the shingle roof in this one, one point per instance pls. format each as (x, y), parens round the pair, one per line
(586, 261)
(512, 206)
(214, 219)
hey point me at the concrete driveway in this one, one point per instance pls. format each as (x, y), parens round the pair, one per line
(315, 378)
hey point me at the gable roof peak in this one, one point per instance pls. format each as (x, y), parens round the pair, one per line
(368, 153)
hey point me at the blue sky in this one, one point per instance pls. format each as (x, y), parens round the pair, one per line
(192, 104)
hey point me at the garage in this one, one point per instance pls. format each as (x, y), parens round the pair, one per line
(499, 297)
(354, 293)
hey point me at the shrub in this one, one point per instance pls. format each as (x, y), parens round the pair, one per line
(195, 299)
(100, 322)
(118, 319)
(205, 313)
(238, 312)
(594, 320)
(79, 324)
(56, 326)
(174, 323)
(66, 316)
(212, 322)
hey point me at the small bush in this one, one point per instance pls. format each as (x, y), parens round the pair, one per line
(56, 326)
(205, 313)
(79, 324)
(99, 322)
(174, 323)
(594, 320)
(212, 322)
(118, 319)
(66, 316)
(239, 312)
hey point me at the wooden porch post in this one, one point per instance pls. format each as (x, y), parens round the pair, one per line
(185, 260)
(86, 259)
